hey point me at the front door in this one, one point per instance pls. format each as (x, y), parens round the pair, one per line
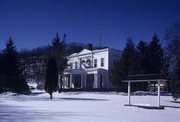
(77, 80)
(90, 81)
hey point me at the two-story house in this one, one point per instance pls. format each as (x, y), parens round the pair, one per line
(90, 68)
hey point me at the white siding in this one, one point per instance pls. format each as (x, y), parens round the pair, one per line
(85, 56)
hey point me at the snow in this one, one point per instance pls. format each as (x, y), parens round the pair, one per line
(84, 107)
(32, 84)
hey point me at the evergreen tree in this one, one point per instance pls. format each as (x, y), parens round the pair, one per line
(11, 71)
(142, 49)
(58, 51)
(176, 81)
(156, 56)
(127, 65)
(74, 48)
(1, 74)
(11, 62)
(51, 82)
(129, 61)
(172, 35)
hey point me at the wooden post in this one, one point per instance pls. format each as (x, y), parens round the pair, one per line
(158, 93)
(129, 93)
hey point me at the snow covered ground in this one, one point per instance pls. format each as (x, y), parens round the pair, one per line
(84, 107)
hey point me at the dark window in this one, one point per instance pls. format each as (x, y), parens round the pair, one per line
(95, 62)
(90, 81)
(101, 81)
(71, 65)
(76, 65)
(68, 78)
(76, 79)
(102, 62)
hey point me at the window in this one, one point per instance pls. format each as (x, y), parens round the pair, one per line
(90, 81)
(101, 81)
(88, 62)
(71, 65)
(102, 62)
(76, 65)
(95, 62)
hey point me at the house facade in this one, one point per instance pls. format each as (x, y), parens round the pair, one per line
(90, 68)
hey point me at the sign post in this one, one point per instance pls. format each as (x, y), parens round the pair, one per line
(129, 93)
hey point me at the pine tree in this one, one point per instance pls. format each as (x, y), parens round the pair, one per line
(51, 82)
(58, 51)
(130, 59)
(1, 74)
(74, 48)
(172, 35)
(142, 49)
(176, 81)
(11, 70)
(155, 56)
(127, 65)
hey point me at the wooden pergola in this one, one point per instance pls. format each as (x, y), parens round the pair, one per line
(144, 78)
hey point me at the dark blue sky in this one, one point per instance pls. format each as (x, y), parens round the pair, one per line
(33, 23)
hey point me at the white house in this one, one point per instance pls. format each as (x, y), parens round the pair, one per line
(90, 68)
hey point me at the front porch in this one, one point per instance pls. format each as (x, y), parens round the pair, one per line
(81, 78)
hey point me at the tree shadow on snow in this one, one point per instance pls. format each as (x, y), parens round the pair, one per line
(36, 93)
(169, 106)
(143, 93)
(84, 99)
(19, 113)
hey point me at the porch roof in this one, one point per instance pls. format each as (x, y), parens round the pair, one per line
(83, 70)
(144, 78)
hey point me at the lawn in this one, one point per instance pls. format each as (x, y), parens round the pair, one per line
(85, 107)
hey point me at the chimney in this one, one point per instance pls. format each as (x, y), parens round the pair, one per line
(89, 46)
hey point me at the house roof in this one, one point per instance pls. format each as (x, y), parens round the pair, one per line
(86, 51)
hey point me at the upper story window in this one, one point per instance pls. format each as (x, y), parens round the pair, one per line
(88, 62)
(102, 62)
(71, 65)
(95, 62)
(76, 65)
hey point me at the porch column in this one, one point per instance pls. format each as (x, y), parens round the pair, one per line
(64, 81)
(158, 93)
(59, 81)
(129, 93)
(71, 81)
(96, 81)
(82, 83)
